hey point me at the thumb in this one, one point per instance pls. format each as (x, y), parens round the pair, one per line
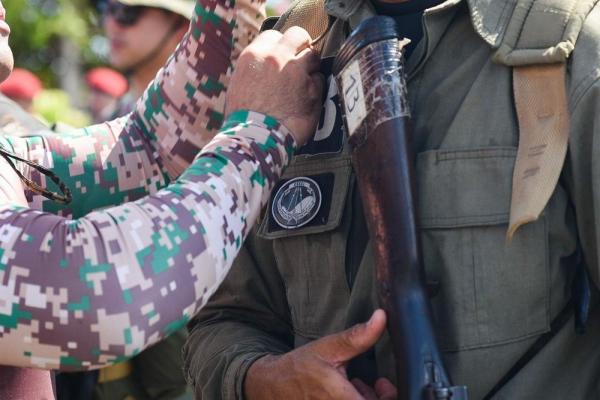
(344, 346)
(385, 389)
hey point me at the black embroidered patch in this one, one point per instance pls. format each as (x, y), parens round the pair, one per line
(301, 202)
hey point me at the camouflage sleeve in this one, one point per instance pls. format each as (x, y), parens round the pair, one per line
(180, 111)
(80, 294)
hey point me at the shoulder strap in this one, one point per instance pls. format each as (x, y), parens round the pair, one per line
(542, 31)
(542, 109)
(537, 43)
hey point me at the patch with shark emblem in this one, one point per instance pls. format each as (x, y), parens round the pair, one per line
(296, 203)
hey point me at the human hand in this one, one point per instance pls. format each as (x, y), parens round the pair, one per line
(316, 370)
(383, 390)
(277, 74)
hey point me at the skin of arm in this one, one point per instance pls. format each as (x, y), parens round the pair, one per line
(81, 294)
(180, 111)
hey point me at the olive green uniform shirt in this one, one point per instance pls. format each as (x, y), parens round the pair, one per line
(495, 298)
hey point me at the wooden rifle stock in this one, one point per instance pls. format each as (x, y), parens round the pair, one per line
(370, 77)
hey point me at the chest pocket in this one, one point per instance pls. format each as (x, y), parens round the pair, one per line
(311, 257)
(491, 291)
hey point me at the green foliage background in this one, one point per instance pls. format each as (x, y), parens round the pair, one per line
(38, 25)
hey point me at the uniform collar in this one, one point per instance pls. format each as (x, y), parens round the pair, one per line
(490, 18)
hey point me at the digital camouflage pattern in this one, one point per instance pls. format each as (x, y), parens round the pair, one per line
(135, 273)
(180, 111)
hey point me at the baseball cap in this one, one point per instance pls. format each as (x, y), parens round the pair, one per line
(21, 84)
(107, 81)
(184, 8)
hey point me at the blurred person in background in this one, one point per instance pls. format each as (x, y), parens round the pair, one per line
(142, 35)
(16, 98)
(107, 86)
(26, 107)
(21, 87)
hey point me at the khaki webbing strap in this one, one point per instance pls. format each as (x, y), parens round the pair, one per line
(310, 15)
(542, 110)
(115, 372)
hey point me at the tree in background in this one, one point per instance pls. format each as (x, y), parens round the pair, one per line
(57, 40)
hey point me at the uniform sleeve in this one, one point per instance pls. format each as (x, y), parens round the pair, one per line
(584, 175)
(247, 318)
(180, 111)
(80, 294)
(582, 172)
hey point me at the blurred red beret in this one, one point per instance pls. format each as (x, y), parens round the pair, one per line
(21, 84)
(107, 81)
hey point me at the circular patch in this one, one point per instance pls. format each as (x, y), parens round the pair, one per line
(296, 203)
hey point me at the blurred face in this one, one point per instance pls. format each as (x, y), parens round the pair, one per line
(6, 56)
(134, 32)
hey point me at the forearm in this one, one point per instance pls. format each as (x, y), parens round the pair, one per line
(102, 165)
(85, 293)
(218, 356)
(245, 319)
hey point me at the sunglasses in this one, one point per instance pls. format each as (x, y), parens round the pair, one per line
(64, 198)
(123, 14)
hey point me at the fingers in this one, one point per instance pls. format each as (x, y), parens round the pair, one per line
(314, 92)
(268, 37)
(385, 390)
(278, 75)
(344, 389)
(297, 38)
(309, 59)
(364, 389)
(344, 346)
(317, 88)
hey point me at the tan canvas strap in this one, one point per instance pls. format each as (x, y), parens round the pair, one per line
(538, 32)
(310, 15)
(542, 110)
(115, 372)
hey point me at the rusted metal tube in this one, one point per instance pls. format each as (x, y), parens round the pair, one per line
(370, 76)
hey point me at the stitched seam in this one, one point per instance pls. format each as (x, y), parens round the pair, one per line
(594, 77)
(458, 154)
(496, 342)
(501, 18)
(305, 167)
(467, 216)
(550, 10)
(524, 23)
(482, 157)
